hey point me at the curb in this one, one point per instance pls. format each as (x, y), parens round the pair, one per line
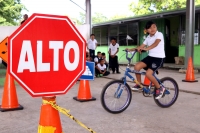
(180, 90)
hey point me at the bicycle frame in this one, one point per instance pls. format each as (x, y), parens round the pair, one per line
(127, 74)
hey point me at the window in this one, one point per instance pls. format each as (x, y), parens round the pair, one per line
(196, 31)
(126, 34)
(97, 33)
(183, 30)
(104, 36)
(113, 30)
(101, 35)
(122, 35)
(133, 33)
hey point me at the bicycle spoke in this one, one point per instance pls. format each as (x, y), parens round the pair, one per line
(171, 92)
(116, 97)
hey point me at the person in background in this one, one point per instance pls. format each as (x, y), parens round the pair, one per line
(88, 57)
(97, 58)
(100, 69)
(92, 45)
(103, 56)
(113, 59)
(25, 18)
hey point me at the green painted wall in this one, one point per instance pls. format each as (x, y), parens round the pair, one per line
(196, 54)
(121, 54)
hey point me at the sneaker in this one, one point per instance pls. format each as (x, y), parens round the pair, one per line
(135, 88)
(160, 92)
(118, 72)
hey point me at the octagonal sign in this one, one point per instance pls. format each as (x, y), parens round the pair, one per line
(46, 55)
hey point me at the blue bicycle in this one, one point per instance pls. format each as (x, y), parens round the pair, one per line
(116, 95)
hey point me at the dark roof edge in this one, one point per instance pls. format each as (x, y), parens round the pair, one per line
(143, 17)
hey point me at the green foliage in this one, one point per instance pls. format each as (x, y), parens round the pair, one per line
(117, 16)
(150, 6)
(81, 20)
(10, 12)
(98, 18)
(2, 80)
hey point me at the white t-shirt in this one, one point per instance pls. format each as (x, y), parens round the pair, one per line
(96, 59)
(113, 49)
(102, 68)
(92, 44)
(159, 50)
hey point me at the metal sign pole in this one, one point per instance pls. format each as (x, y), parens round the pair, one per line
(88, 14)
(190, 25)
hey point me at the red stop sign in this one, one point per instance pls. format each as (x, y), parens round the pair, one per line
(46, 55)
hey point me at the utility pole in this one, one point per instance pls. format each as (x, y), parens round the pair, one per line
(190, 26)
(88, 14)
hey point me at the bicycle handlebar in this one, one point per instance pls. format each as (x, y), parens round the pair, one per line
(133, 53)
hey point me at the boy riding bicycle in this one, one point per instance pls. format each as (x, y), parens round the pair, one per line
(155, 58)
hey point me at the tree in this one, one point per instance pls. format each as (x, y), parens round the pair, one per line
(150, 6)
(80, 20)
(10, 12)
(98, 18)
(117, 16)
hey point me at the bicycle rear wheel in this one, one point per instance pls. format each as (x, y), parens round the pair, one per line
(171, 93)
(115, 96)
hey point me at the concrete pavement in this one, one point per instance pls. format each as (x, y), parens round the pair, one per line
(142, 116)
(183, 86)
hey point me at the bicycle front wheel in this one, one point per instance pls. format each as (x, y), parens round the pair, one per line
(171, 93)
(116, 97)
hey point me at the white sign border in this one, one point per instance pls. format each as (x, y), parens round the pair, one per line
(46, 93)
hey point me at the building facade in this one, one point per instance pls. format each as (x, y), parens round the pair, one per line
(171, 24)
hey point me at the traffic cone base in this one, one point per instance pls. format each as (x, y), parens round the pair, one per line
(84, 93)
(11, 109)
(190, 81)
(84, 100)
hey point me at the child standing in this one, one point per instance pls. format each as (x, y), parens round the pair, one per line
(92, 45)
(155, 58)
(113, 59)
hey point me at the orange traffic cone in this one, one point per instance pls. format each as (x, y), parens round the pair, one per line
(9, 99)
(190, 72)
(84, 92)
(49, 118)
(146, 81)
